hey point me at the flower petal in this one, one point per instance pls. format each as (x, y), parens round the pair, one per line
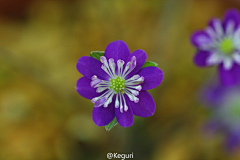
(141, 57)
(214, 59)
(117, 50)
(126, 118)
(232, 141)
(84, 89)
(145, 107)
(201, 58)
(231, 16)
(89, 66)
(153, 77)
(213, 94)
(102, 116)
(201, 38)
(215, 29)
(227, 63)
(229, 77)
(236, 57)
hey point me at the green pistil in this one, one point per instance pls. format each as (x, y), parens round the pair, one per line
(117, 84)
(226, 46)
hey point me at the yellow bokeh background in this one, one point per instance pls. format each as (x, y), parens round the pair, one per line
(42, 117)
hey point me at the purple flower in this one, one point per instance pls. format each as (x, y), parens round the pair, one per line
(117, 84)
(225, 106)
(219, 45)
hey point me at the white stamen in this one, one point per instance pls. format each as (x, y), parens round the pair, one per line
(100, 102)
(141, 79)
(134, 61)
(230, 28)
(135, 77)
(236, 37)
(95, 82)
(136, 100)
(213, 59)
(134, 92)
(125, 107)
(121, 105)
(227, 63)
(126, 68)
(218, 27)
(96, 98)
(101, 84)
(116, 101)
(133, 64)
(106, 69)
(112, 66)
(109, 100)
(100, 89)
(120, 64)
(103, 60)
(106, 66)
(125, 104)
(211, 33)
(94, 77)
(135, 82)
(130, 96)
(139, 88)
(236, 58)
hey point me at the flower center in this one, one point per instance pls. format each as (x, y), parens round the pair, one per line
(117, 84)
(226, 46)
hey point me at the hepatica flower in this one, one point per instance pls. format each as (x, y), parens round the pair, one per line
(225, 107)
(117, 84)
(219, 45)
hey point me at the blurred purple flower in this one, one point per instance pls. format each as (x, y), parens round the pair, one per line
(117, 85)
(225, 106)
(219, 44)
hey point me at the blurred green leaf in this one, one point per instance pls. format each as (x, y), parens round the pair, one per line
(97, 54)
(149, 63)
(112, 124)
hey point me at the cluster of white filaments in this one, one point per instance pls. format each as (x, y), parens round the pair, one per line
(225, 44)
(118, 84)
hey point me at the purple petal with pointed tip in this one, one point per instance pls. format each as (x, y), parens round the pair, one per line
(145, 107)
(84, 89)
(153, 77)
(117, 50)
(231, 15)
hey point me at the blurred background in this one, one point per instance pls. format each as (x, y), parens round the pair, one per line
(42, 117)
